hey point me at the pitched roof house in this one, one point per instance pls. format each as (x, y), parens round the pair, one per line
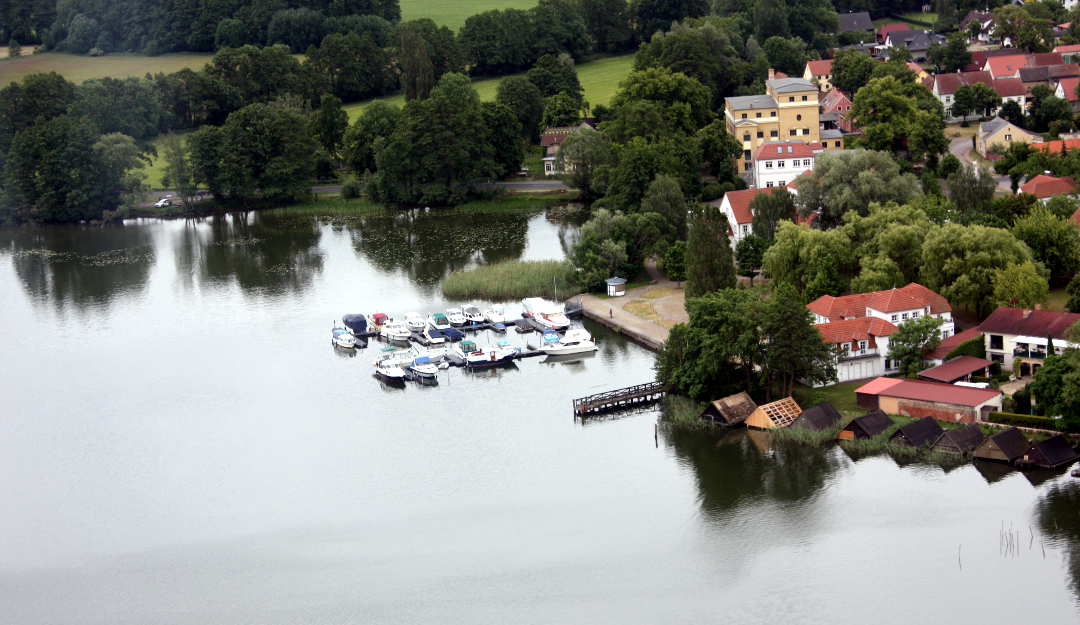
(1045, 187)
(918, 398)
(922, 433)
(1007, 446)
(944, 87)
(819, 72)
(956, 369)
(1001, 133)
(960, 441)
(985, 21)
(1066, 90)
(869, 425)
(1051, 453)
(779, 163)
(778, 414)
(551, 139)
(1022, 334)
(917, 42)
(884, 30)
(818, 418)
(854, 22)
(1009, 66)
(731, 410)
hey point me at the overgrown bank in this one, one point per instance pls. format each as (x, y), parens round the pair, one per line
(513, 279)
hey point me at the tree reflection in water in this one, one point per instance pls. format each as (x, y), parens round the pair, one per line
(80, 266)
(1058, 515)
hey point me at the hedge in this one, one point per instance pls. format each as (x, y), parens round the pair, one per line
(971, 347)
(1024, 420)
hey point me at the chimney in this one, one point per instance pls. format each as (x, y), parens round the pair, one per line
(772, 73)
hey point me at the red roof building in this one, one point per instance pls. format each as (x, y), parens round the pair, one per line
(919, 399)
(884, 30)
(956, 369)
(1069, 48)
(947, 345)
(1066, 89)
(855, 330)
(1055, 147)
(911, 298)
(1045, 187)
(1028, 322)
(1009, 87)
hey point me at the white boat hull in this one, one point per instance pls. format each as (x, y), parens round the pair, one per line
(562, 350)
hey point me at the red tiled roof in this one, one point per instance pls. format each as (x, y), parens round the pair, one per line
(885, 29)
(1045, 58)
(915, 67)
(949, 83)
(835, 101)
(854, 330)
(820, 68)
(1072, 47)
(1024, 322)
(1068, 87)
(1043, 186)
(1054, 147)
(929, 391)
(740, 203)
(1006, 65)
(955, 369)
(1009, 87)
(908, 297)
(773, 150)
(1065, 70)
(949, 344)
(1076, 217)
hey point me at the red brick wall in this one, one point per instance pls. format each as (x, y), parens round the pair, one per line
(941, 412)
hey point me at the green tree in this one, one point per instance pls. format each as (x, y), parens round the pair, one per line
(14, 48)
(521, 96)
(179, 173)
(665, 196)
(1052, 114)
(960, 262)
(769, 209)
(971, 189)
(911, 341)
(749, 254)
(131, 106)
(614, 243)
(655, 103)
(503, 137)
(417, 69)
(1019, 284)
(555, 75)
(585, 155)
(1063, 206)
(1054, 241)
(878, 274)
(608, 23)
(709, 263)
(813, 262)
(639, 161)
(705, 52)
(297, 28)
(899, 116)
(673, 263)
(787, 55)
(1073, 291)
(851, 71)
(977, 98)
(366, 135)
(719, 149)
(850, 181)
(794, 349)
(354, 67)
(953, 56)
(651, 16)
(329, 124)
(561, 110)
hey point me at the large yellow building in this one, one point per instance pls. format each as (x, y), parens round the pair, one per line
(788, 111)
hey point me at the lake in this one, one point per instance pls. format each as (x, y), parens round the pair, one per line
(180, 444)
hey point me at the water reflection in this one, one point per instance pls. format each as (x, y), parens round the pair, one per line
(83, 266)
(271, 253)
(1058, 516)
(426, 245)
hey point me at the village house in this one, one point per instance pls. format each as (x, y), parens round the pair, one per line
(1000, 134)
(1045, 187)
(778, 414)
(861, 347)
(1050, 75)
(1066, 90)
(944, 87)
(869, 425)
(1006, 447)
(885, 30)
(984, 29)
(1023, 334)
(946, 346)
(730, 410)
(787, 111)
(917, 42)
(819, 73)
(836, 109)
(958, 369)
(778, 163)
(961, 441)
(922, 433)
(1068, 52)
(551, 139)
(818, 418)
(1009, 65)
(858, 22)
(917, 398)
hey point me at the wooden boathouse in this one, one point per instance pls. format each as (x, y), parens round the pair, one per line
(778, 414)
(731, 410)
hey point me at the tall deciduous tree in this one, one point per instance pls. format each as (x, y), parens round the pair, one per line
(364, 138)
(953, 56)
(911, 341)
(769, 209)
(851, 70)
(179, 173)
(608, 23)
(1053, 240)
(709, 263)
(971, 190)
(329, 124)
(665, 196)
(794, 349)
(584, 155)
(900, 116)
(523, 97)
(851, 181)
(1019, 284)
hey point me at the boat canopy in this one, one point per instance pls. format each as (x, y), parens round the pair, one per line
(356, 323)
(468, 346)
(422, 360)
(380, 317)
(472, 310)
(439, 318)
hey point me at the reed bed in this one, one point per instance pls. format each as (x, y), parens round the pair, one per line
(513, 279)
(683, 413)
(807, 436)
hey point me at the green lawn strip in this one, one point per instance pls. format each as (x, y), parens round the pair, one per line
(841, 396)
(454, 14)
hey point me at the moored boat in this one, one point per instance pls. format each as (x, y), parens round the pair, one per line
(358, 325)
(340, 336)
(455, 316)
(434, 335)
(547, 314)
(495, 314)
(453, 334)
(415, 322)
(424, 369)
(439, 321)
(575, 341)
(476, 358)
(395, 331)
(473, 314)
(388, 370)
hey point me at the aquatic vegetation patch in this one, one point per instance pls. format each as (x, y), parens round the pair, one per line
(513, 279)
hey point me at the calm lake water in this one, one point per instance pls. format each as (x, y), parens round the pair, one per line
(181, 445)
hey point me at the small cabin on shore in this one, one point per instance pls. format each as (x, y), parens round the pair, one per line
(818, 418)
(1051, 453)
(773, 416)
(731, 410)
(962, 441)
(922, 433)
(1008, 447)
(867, 426)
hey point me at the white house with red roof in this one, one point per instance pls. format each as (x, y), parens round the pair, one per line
(1045, 187)
(1066, 90)
(860, 325)
(819, 73)
(551, 140)
(778, 163)
(1024, 334)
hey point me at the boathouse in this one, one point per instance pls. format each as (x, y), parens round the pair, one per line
(958, 369)
(1052, 453)
(1008, 446)
(867, 426)
(919, 398)
(778, 414)
(921, 433)
(962, 441)
(731, 410)
(818, 418)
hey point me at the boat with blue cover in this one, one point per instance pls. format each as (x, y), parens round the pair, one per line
(424, 369)
(476, 358)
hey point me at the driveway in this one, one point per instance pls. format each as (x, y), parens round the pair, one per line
(961, 148)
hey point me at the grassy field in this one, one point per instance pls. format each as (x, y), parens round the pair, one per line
(600, 79)
(841, 396)
(453, 14)
(79, 68)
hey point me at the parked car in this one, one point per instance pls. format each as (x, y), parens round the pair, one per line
(163, 202)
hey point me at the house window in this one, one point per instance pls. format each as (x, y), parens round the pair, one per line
(745, 228)
(798, 118)
(806, 131)
(774, 133)
(903, 317)
(888, 364)
(806, 162)
(894, 317)
(792, 132)
(744, 115)
(914, 315)
(780, 183)
(746, 167)
(769, 183)
(768, 164)
(997, 342)
(746, 136)
(837, 144)
(760, 134)
(844, 347)
(804, 98)
(1008, 137)
(780, 164)
(862, 345)
(746, 154)
(791, 98)
(758, 114)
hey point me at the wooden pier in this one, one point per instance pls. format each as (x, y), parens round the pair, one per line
(619, 399)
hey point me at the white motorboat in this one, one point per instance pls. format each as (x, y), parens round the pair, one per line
(495, 314)
(424, 369)
(439, 321)
(477, 358)
(395, 331)
(434, 335)
(575, 341)
(389, 371)
(547, 314)
(473, 314)
(455, 316)
(340, 336)
(376, 321)
(414, 321)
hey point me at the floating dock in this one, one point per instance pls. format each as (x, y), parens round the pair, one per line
(619, 399)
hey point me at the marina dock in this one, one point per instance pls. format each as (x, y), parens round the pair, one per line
(619, 399)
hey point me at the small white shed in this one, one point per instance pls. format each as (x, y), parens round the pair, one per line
(616, 287)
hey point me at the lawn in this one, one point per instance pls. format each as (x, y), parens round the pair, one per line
(599, 78)
(841, 396)
(454, 13)
(78, 68)
(156, 169)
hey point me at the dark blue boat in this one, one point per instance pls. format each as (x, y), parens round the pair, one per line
(357, 324)
(453, 334)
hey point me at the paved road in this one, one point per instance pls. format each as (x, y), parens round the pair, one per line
(961, 148)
